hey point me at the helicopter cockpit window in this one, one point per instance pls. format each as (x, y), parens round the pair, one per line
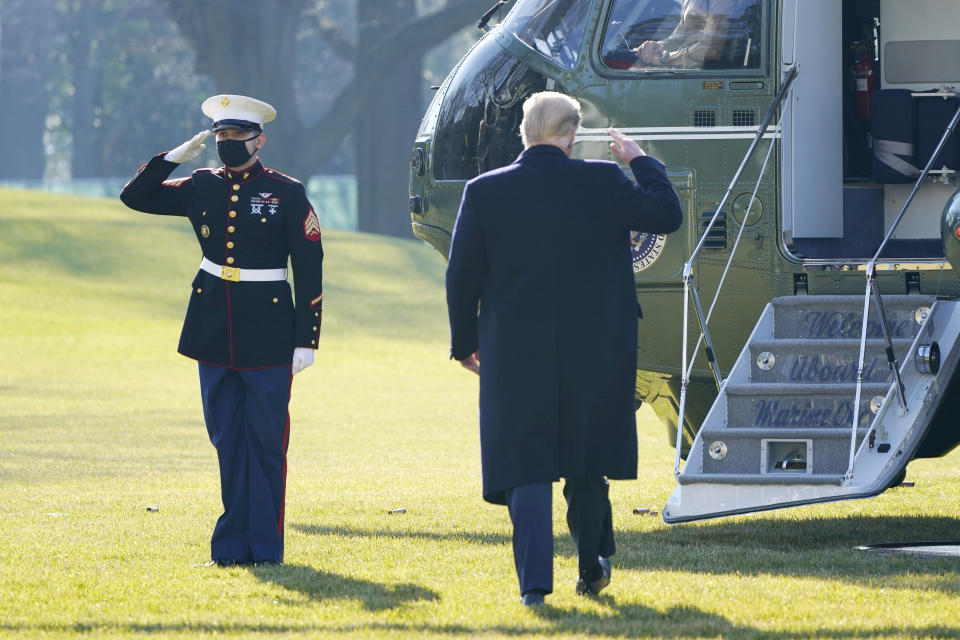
(653, 35)
(554, 28)
(478, 122)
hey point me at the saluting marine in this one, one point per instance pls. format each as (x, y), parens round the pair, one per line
(242, 325)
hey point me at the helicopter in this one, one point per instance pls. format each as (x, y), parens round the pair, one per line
(801, 339)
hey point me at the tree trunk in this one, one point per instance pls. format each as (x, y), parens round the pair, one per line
(250, 49)
(385, 127)
(25, 26)
(253, 52)
(84, 20)
(415, 37)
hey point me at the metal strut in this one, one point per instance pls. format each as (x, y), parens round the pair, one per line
(872, 290)
(891, 356)
(689, 289)
(708, 344)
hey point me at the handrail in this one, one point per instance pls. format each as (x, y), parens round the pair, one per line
(872, 289)
(761, 130)
(736, 243)
(689, 290)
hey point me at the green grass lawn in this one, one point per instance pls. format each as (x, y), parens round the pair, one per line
(100, 419)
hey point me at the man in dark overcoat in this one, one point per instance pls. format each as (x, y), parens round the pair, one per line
(543, 306)
(242, 325)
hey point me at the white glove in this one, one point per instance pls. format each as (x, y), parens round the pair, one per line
(302, 358)
(189, 149)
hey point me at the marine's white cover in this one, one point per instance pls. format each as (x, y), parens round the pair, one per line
(231, 107)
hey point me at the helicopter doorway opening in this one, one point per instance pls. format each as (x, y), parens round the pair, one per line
(873, 98)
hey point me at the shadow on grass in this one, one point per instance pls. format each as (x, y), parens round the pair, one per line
(352, 532)
(821, 547)
(628, 621)
(638, 621)
(320, 585)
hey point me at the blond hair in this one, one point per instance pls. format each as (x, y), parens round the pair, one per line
(548, 117)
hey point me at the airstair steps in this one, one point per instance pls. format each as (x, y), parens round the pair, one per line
(805, 360)
(839, 317)
(780, 404)
(769, 452)
(780, 430)
(759, 479)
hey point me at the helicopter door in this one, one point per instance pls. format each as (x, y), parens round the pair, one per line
(812, 150)
(919, 49)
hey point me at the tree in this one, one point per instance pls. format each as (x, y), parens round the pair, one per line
(384, 132)
(84, 36)
(25, 26)
(247, 49)
(254, 52)
(120, 86)
(149, 99)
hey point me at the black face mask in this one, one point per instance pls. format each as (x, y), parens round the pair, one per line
(233, 152)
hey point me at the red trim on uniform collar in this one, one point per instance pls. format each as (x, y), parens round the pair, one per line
(251, 172)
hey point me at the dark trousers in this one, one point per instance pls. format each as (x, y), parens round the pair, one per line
(249, 424)
(589, 518)
(531, 512)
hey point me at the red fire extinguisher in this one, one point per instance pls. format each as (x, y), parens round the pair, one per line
(865, 81)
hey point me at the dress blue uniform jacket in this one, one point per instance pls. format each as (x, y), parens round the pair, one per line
(540, 283)
(252, 219)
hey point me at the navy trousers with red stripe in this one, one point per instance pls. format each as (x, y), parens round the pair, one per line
(247, 418)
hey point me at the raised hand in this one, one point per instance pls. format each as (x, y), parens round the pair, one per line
(623, 147)
(189, 149)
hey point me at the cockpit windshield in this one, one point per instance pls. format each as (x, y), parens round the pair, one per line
(683, 34)
(554, 28)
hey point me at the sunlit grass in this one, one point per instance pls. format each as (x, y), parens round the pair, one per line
(100, 418)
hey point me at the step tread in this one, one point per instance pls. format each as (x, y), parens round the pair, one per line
(760, 478)
(801, 388)
(832, 343)
(781, 432)
(804, 301)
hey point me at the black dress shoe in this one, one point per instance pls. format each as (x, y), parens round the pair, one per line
(223, 563)
(593, 587)
(532, 598)
(267, 563)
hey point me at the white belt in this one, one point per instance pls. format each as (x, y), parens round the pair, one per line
(236, 274)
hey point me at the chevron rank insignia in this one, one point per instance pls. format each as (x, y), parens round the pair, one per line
(311, 226)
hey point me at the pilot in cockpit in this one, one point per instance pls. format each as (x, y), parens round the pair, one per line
(709, 34)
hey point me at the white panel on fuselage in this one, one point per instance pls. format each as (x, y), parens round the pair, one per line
(812, 128)
(915, 23)
(919, 21)
(922, 220)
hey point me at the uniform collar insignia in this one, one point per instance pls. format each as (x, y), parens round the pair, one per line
(251, 172)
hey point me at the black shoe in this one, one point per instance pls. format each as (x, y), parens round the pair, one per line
(532, 598)
(222, 563)
(595, 586)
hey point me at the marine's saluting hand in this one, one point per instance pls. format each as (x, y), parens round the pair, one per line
(623, 147)
(189, 149)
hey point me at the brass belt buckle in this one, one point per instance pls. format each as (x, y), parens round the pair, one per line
(230, 273)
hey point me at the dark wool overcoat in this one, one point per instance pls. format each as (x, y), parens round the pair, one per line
(540, 284)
